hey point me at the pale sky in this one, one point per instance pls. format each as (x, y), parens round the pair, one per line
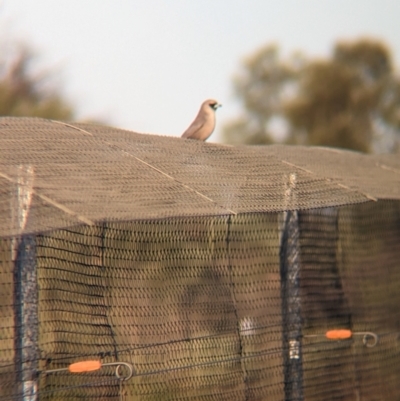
(146, 65)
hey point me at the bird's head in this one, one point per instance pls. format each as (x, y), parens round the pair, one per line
(212, 103)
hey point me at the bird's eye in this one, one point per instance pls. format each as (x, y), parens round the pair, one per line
(212, 105)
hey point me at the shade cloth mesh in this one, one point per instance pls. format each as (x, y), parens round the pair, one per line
(216, 272)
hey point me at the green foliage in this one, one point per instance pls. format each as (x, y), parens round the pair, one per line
(351, 100)
(26, 93)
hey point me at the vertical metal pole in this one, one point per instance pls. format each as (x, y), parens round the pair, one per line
(26, 293)
(26, 316)
(291, 302)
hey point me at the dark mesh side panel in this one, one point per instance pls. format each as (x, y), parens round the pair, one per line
(171, 297)
(7, 338)
(195, 306)
(325, 306)
(350, 280)
(371, 275)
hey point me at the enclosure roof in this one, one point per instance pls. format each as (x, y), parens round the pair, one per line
(55, 174)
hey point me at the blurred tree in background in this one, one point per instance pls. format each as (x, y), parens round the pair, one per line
(351, 100)
(27, 92)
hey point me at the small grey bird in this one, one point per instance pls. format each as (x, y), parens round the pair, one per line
(204, 123)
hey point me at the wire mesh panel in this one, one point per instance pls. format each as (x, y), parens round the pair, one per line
(83, 173)
(195, 306)
(350, 280)
(7, 338)
(192, 304)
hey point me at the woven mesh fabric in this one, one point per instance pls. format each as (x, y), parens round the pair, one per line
(84, 173)
(168, 254)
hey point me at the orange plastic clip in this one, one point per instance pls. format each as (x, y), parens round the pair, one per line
(90, 366)
(370, 339)
(84, 366)
(340, 334)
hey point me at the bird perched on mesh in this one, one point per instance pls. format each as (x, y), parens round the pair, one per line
(204, 123)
